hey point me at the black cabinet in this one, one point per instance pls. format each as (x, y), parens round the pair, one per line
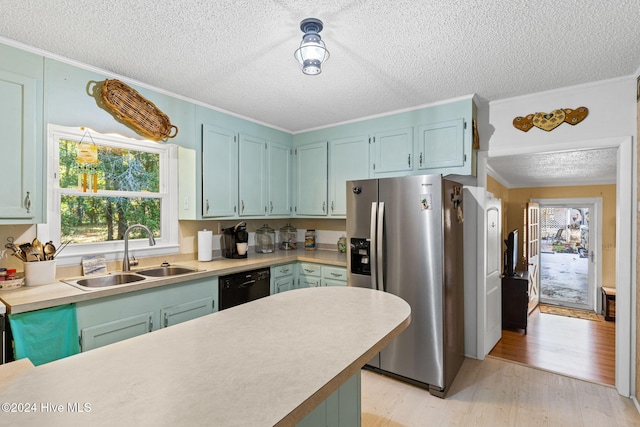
(515, 301)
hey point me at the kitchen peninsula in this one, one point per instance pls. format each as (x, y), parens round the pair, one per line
(268, 362)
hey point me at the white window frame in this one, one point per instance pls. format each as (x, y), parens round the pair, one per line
(166, 244)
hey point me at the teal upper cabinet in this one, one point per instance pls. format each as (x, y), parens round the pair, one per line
(279, 185)
(311, 179)
(392, 152)
(20, 135)
(252, 173)
(441, 145)
(348, 159)
(219, 172)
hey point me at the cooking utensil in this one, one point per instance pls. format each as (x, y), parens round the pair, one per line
(37, 249)
(62, 246)
(49, 250)
(26, 249)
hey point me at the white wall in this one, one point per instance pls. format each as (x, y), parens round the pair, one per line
(611, 122)
(611, 104)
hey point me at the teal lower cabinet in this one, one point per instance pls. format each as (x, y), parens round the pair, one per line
(341, 409)
(334, 276)
(312, 275)
(283, 278)
(309, 275)
(117, 330)
(115, 318)
(179, 313)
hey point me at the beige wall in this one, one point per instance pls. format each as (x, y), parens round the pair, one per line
(514, 202)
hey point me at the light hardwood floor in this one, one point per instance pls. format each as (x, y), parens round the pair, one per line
(583, 349)
(496, 393)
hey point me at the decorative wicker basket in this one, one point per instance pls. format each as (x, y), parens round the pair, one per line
(137, 111)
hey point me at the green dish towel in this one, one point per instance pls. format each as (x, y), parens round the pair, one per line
(45, 335)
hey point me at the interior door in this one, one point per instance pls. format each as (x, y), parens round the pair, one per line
(532, 252)
(493, 296)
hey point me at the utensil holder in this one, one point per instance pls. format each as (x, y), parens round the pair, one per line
(39, 272)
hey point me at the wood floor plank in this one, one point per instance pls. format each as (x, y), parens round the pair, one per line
(495, 392)
(580, 348)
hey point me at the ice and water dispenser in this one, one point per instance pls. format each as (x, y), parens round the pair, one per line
(360, 256)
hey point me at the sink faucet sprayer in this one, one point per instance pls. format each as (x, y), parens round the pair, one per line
(125, 260)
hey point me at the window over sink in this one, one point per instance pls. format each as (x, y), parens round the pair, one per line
(100, 184)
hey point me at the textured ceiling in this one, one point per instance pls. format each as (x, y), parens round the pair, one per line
(582, 167)
(385, 55)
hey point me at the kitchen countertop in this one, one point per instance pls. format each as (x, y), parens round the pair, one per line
(44, 296)
(264, 363)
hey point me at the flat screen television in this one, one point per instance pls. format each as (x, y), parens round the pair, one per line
(511, 254)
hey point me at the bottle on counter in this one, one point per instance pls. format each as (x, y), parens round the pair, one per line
(310, 240)
(342, 244)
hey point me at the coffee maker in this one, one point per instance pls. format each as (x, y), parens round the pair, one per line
(232, 238)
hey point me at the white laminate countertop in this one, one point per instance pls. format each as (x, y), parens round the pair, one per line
(29, 298)
(268, 362)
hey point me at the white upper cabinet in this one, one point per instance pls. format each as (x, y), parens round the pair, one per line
(348, 160)
(252, 178)
(441, 145)
(311, 179)
(219, 172)
(392, 151)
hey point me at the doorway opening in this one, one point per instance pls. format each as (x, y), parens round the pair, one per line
(568, 264)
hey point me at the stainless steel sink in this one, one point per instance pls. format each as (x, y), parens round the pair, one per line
(110, 280)
(166, 271)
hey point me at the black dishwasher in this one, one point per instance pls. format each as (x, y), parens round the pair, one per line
(236, 289)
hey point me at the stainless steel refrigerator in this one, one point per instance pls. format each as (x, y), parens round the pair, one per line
(405, 237)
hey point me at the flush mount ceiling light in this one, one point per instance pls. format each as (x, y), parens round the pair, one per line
(312, 52)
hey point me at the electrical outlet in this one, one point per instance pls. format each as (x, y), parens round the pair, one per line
(186, 204)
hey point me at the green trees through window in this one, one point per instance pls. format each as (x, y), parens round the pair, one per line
(127, 183)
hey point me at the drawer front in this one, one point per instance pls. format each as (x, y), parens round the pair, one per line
(310, 269)
(334, 273)
(331, 282)
(283, 270)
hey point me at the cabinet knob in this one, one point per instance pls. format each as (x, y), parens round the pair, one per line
(420, 159)
(270, 206)
(242, 206)
(409, 160)
(324, 204)
(207, 206)
(332, 206)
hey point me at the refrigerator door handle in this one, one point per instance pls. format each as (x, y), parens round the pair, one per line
(372, 246)
(379, 247)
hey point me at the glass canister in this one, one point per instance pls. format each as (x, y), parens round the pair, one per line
(310, 240)
(288, 236)
(265, 239)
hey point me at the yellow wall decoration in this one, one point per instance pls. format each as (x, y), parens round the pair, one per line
(550, 121)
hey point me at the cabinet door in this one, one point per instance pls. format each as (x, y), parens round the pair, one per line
(311, 173)
(305, 281)
(279, 179)
(179, 313)
(252, 176)
(283, 284)
(219, 172)
(392, 151)
(18, 123)
(441, 145)
(348, 159)
(117, 330)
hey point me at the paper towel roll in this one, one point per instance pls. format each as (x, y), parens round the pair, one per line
(205, 245)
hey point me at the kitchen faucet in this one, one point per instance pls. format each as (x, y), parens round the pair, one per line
(125, 260)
